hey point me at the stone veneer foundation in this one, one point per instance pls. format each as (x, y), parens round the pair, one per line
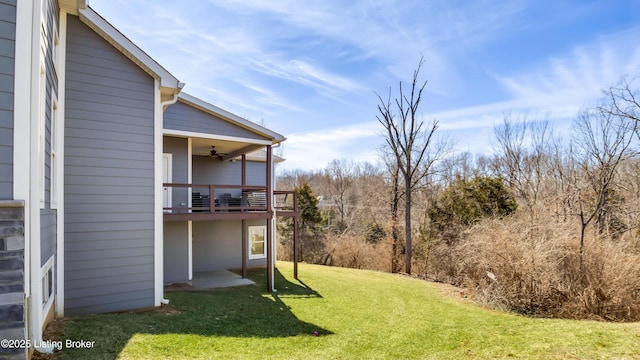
(12, 301)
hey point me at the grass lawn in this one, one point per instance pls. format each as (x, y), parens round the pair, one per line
(357, 314)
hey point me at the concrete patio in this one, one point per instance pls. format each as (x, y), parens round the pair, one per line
(218, 279)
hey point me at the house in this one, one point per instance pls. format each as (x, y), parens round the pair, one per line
(217, 174)
(114, 182)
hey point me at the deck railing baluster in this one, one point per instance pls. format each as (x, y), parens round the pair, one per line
(253, 203)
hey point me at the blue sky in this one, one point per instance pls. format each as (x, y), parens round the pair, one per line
(311, 69)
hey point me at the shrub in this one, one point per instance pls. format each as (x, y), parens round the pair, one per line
(536, 270)
(375, 233)
(464, 202)
(357, 253)
(310, 234)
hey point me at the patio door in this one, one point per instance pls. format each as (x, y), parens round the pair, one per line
(167, 165)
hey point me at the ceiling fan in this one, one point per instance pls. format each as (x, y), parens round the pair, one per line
(215, 154)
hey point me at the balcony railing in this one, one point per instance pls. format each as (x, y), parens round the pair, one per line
(213, 198)
(220, 199)
(286, 203)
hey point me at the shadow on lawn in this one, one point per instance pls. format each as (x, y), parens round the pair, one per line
(245, 311)
(297, 289)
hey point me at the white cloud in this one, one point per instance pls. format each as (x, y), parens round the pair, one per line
(303, 72)
(578, 77)
(268, 97)
(290, 62)
(313, 150)
(558, 87)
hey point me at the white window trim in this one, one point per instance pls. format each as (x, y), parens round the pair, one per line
(48, 302)
(54, 176)
(42, 119)
(56, 47)
(252, 230)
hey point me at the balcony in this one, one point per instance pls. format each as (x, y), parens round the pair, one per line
(195, 202)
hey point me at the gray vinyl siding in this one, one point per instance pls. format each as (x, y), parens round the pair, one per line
(109, 177)
(48, 216)
(217, 245)
(176, 252)
(180, 166)
(7, 69)
(256, 173)
(181, 116)
(206, 171)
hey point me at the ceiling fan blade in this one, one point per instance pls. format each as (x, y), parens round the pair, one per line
(215, 154)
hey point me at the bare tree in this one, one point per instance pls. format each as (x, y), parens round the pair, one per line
(370, 182)
(396, 194)
(562, 170)
(603, 142)
(523, 147)
(340, 178)
(623, 100)
(409, 141)
(457, 166)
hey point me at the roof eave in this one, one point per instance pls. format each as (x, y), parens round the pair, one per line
(233, 118)
(72, 6)
(169, 84)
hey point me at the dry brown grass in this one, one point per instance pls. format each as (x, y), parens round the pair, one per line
(519, 263)
(534, 268)
(343, 251)
(356, 253)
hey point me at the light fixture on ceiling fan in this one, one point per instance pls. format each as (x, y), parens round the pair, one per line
(215, 154)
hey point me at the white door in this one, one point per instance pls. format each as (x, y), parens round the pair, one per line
(167, 161)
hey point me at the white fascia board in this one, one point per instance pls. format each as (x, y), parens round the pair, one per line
(72, 6)
(191, 134)
(59, 273)
(32, 208)
(128, 48)
(22, 100)
(22, 125)
(233, 118)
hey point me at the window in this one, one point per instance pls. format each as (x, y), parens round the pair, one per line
(257, 242)
(47, 282)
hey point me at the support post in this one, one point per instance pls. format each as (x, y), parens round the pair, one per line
(244, 222)
(244, 248)
(295, 236)
(270, 270)
(244, 169)
(212, 204)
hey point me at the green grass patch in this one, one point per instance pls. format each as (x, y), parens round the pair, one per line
(357, 314)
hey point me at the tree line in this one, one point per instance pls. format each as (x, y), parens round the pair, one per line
(546, 225)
